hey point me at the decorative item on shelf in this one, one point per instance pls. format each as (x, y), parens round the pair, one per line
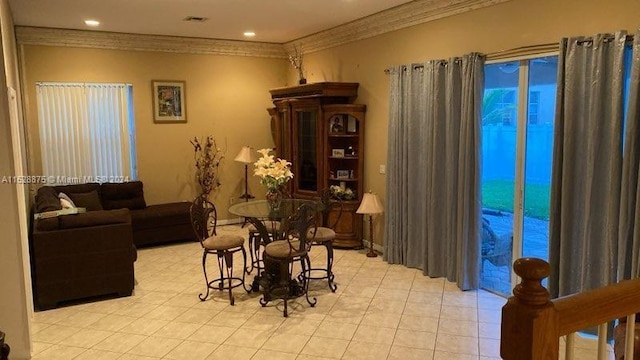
(337, 152)
(342, 193)
(207, 157)
(274, 174)
(370, 205)
(342, 174)
(351, 174)
(246, 157)
(349, 151)
(351, 125)
(296, 61)
(336, 124)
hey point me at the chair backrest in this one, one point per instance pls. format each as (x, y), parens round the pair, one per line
(203, 218)
(330, 202)
(297, 225)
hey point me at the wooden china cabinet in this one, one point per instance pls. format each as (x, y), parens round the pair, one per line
(321, 132)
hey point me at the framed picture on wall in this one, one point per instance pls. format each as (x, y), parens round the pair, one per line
(169, 101)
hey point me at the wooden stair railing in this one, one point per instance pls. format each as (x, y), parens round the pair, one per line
(532, 323)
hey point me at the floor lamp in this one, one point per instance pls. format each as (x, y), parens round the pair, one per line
(370, 205)
(245, 156)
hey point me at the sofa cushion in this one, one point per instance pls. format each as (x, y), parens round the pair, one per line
(123, 195)
(94, 218)
(78, 188)
(161, 215)
(89, 200)
(47, 200)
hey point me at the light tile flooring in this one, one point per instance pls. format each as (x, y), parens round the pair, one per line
(379, 311)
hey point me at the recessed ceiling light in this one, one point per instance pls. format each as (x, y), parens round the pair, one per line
(249, 34)
(92, 22)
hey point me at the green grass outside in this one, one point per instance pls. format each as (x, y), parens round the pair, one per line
(498, 195)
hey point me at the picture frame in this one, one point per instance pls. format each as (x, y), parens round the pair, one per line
(169, 101)
(351, 125)
(336, 124)
(337, 152)
(342, 174)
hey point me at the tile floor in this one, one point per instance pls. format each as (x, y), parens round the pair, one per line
(379, 311)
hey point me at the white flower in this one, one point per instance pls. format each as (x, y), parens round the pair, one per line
(273, 172)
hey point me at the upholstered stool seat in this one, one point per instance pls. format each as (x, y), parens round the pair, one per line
(222, 242)
(282, 249)
(321, 234)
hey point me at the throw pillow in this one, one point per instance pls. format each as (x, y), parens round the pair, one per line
(89, 200)
(66, 204)
(66, 197)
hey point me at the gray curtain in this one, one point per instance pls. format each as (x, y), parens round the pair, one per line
(629, 226)
(432, 219)
(587, 164)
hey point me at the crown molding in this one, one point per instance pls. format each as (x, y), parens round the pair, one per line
(396, 18)
(159, 43)
(399, 17)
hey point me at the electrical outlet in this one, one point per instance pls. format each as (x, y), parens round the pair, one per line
(232, 200)
(383, 169)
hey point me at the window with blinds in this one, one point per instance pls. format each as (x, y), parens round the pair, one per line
(87, 131)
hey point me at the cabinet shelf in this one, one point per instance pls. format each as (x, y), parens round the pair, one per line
(343, 179)
(343, 135)
(343, 157)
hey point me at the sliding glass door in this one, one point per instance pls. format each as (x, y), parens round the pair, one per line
(517, 142)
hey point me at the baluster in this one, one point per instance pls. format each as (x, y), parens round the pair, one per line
(570, 346)
(602, 341)
(529, 320)
(630, 337)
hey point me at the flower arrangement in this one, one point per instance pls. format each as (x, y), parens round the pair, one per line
(273, 173)
(207, 158)
(342, 193)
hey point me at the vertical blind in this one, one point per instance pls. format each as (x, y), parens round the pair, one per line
(86, 130)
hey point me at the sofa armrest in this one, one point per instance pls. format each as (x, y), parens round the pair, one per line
(82, 262)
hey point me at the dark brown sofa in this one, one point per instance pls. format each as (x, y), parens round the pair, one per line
(88, 254)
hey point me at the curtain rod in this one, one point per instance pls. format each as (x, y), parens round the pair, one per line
(525, 51)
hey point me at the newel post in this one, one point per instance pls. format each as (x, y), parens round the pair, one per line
(529, 320)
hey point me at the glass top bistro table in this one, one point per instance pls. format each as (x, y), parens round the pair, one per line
(259, 214)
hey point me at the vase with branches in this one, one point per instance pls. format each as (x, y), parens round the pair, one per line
(296, 61)
(207, 158)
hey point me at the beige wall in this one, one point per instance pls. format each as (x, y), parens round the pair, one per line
(15, 292)
(226, 96)
(501, 27)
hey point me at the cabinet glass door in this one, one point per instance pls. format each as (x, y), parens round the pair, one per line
(306, 161)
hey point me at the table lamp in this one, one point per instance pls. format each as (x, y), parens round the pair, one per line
(370, 205)
(246, 157)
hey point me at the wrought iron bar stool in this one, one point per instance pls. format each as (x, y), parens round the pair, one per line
(256, 243)
(203, 218)
(294, 248)
(324, 236)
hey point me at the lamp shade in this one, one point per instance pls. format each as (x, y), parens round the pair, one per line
(370, 204)
(245, 156)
